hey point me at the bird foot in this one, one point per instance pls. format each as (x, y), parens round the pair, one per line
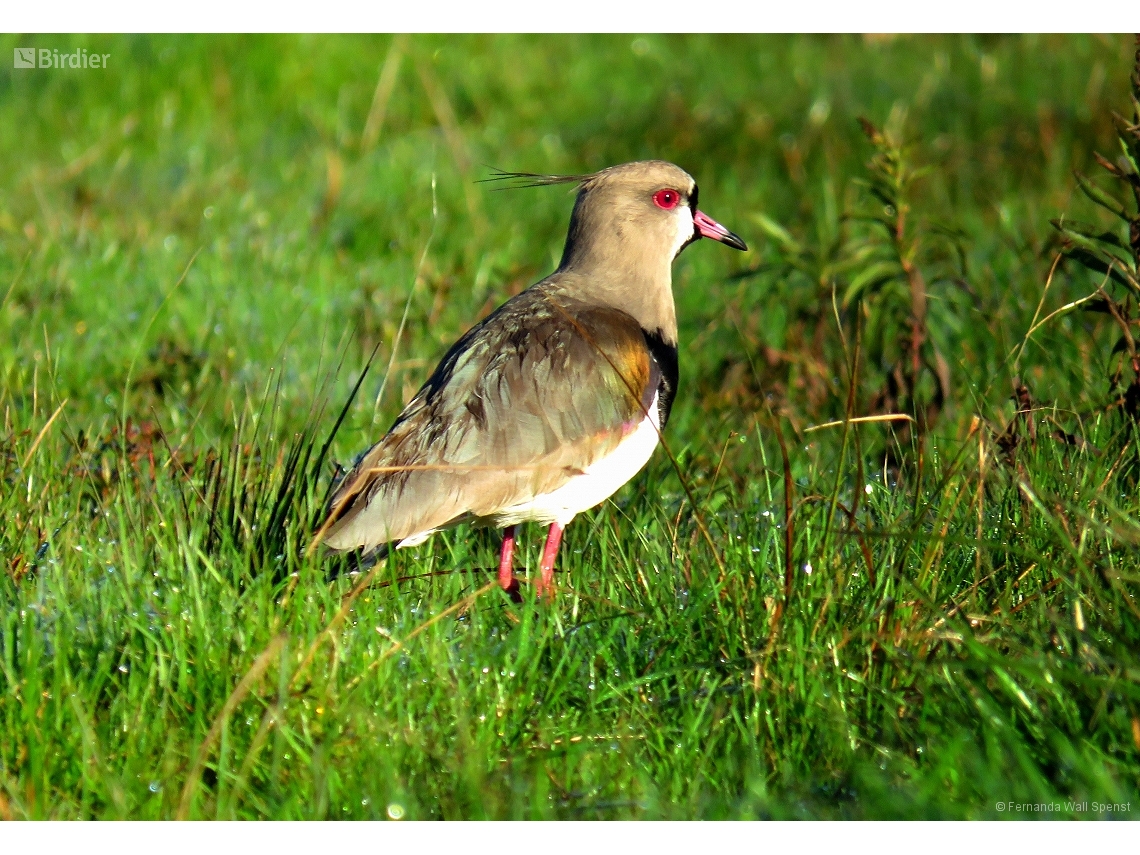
(544, 587)
(511, 589)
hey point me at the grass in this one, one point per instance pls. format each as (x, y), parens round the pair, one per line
(201, 246)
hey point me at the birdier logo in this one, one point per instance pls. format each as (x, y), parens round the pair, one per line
(26, 57)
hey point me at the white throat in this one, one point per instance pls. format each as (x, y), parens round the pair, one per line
(685, 229)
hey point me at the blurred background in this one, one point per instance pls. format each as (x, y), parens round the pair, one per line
(300, 174)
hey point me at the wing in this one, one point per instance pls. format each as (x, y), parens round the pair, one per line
(520, 404)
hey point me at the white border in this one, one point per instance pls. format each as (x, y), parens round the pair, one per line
(570, 838)
(632, 16)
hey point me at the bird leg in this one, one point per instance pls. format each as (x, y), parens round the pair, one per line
(549, 553)
(506, 559)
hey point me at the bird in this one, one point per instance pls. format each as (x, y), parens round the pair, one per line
(556, 399)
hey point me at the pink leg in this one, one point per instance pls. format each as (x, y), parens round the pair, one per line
(506, 559)
(549, 553)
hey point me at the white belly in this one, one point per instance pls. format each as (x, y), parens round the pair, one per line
(596, 483)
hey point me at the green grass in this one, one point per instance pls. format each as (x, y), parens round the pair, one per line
(198, 254)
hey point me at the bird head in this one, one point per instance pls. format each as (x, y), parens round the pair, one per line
(642, 214)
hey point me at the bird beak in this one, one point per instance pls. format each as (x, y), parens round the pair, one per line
(708, 227)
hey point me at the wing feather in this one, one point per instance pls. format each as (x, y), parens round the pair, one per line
(525, 400)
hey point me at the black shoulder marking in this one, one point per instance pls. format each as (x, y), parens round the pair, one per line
(665, 355)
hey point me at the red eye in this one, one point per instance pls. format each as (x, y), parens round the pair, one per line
(667, 198)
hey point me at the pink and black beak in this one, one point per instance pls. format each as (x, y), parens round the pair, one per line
(706, 226)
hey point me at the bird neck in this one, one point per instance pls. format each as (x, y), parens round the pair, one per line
(645, 295)
(614, 257)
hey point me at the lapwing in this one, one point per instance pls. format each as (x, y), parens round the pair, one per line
(556, 399)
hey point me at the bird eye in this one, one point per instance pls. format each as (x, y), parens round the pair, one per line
(667, 198)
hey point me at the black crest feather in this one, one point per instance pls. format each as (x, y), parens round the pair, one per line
(518, 180)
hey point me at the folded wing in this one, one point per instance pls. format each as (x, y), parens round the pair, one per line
(523, 402)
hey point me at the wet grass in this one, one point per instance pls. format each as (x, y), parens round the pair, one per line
(201, 247)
